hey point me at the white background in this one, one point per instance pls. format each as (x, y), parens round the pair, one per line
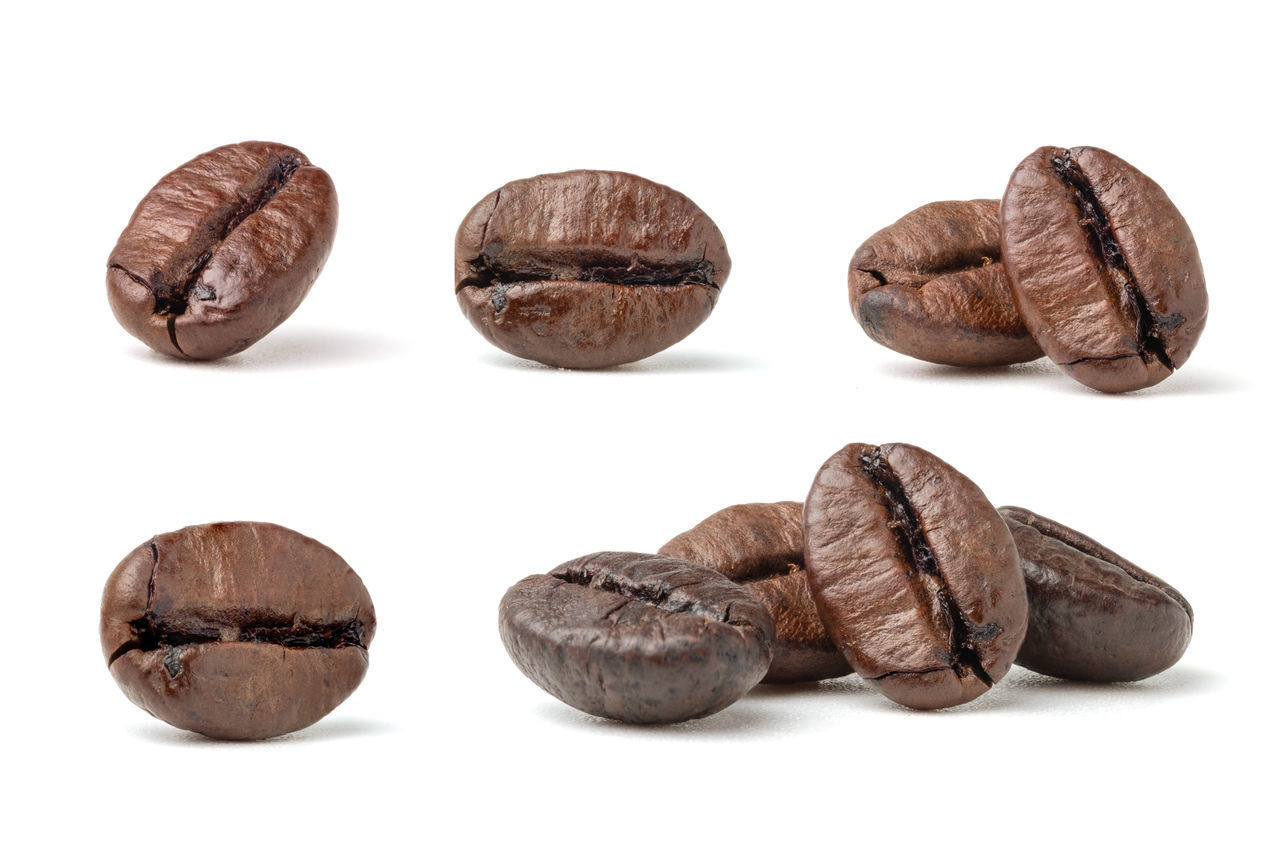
(379, 422)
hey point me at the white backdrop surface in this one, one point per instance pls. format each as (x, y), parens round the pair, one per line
(379, 422)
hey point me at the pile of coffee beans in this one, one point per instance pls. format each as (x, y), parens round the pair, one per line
(238, 630)
(1085, 260)
(896, 567)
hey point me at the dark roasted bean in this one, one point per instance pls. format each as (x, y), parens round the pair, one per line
(1095, 616)
(637, 637)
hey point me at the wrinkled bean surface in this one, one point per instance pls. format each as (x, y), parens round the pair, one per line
(914, 574)
(1095, 616)
(637, 637)
(222, 250)
(761, 546)
(932, 286)
(587, 269)
(1103, 267)
(238, 630)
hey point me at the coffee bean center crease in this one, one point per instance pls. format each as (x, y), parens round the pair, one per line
(905, 524)
(1150, 327)
(488, 271)
(244, 626)
(766, 571)
(654, 591)
(1085, 545)
(151, 633)
(933, 272)
(179, 280)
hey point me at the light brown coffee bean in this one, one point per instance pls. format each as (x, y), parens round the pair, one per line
(587, 269)
(914, 573)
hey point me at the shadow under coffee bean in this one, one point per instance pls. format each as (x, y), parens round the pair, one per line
(637, 637)
(222, 250)
(587, 269)
(238, 630)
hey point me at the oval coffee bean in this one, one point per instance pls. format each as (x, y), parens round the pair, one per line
(238, 630)
(932, 286)
(761, 547)
(587, 269)
(222, 250)
(1104, 268)
(1095, 616)
(914, 573)
(637, 637)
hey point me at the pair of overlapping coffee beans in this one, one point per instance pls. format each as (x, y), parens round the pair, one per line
(1085, 260)
(896, 567)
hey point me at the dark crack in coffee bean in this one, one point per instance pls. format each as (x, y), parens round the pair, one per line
(761, 547)
(222, 250)
(932, 286)
(637, 637)
(238, 630)
(587, 269)
(914, 574)
(1104, 269)
(1095, 616)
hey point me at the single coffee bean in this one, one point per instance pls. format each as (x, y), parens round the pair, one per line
(637, 637)
(237, 630)
(761, 547)
(222, 250)
(1095, 616)
(932, 286)
(914, 573)
(1104, 269)
(587, 269)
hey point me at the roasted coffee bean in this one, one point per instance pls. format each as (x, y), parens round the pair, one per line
(931, 286)
(1095, 616)
(637, 637)
(587, 269)
(761, 546)
(914, 573)
(222, 250)
(1104, 269)
(237, 630)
